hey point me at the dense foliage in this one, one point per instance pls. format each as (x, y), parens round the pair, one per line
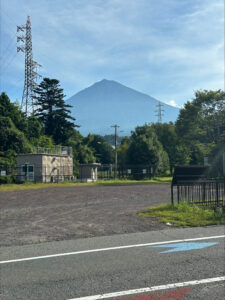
(145, 149)
(198, 132)
(178, 152)
(18, 133)
(52, 111)
(201, 127)
(103, 151)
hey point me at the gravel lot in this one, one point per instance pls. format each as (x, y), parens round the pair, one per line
(59, 213)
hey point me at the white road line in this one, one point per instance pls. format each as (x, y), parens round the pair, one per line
(152, 289)
(108, 249)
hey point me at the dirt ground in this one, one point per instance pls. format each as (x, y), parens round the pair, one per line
(60, 213)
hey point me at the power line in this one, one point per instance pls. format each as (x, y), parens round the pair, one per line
(159, 112)
(30, 66)
(8, 54)
(8, 62)
(11, 43)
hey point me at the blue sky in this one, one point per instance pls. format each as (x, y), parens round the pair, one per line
(164, 48)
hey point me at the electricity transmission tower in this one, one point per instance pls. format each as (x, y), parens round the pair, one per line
(159, 112)
(115, 139)
(31, 66)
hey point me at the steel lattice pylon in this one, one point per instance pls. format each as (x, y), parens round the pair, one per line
(30, 67)
(159, 112)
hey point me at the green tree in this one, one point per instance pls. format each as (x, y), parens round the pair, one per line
(122, 152)
(82, 153)
(203, 119)
(178, 153)
(12, 110)
(103, 151)
(34, 128)
(12, 140)
(182, 155)
(34, 134)
(145, 148)
(18, 132)
(52, 110)
(201, 123)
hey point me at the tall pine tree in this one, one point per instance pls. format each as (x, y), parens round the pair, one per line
(52, 110)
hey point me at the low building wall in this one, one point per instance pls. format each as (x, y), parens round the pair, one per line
(45, 167)
(88, 172)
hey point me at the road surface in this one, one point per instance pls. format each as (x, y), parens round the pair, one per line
(185, 263)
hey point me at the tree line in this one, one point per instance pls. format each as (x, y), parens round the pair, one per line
(198, 132)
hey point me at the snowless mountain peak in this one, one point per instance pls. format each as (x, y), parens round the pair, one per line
(108, 102)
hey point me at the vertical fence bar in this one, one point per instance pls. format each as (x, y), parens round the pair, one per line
(217, 194)
(203, 191)
(171, 194)
(178, 194)
(208, 193)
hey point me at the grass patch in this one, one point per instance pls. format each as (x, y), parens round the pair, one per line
(31, 185)
(185, 215)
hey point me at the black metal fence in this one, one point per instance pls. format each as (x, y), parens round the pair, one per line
(46, 173)
(136, 172)
(205, 192)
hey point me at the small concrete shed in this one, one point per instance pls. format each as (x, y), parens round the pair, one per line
(88, 172)
(45, 165)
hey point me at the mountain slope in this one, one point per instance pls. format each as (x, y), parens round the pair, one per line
(108, 102)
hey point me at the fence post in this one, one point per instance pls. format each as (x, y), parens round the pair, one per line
(203, 192)
(217, 194)
(171, 193)
(178, 194)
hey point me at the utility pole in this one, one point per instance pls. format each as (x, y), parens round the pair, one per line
(30, 67)
(159, 112)
(115, 143)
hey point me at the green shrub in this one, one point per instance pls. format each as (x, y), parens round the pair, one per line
(7, 179)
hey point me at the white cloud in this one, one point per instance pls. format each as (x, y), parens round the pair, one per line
(172, 103)
(164, 48)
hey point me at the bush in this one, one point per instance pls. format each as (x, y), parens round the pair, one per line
(7, 179)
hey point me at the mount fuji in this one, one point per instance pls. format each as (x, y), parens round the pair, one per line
(108, 102)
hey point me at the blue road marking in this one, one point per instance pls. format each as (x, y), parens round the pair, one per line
(184, 246)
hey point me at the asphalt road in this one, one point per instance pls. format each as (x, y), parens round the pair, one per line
(121, 266)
